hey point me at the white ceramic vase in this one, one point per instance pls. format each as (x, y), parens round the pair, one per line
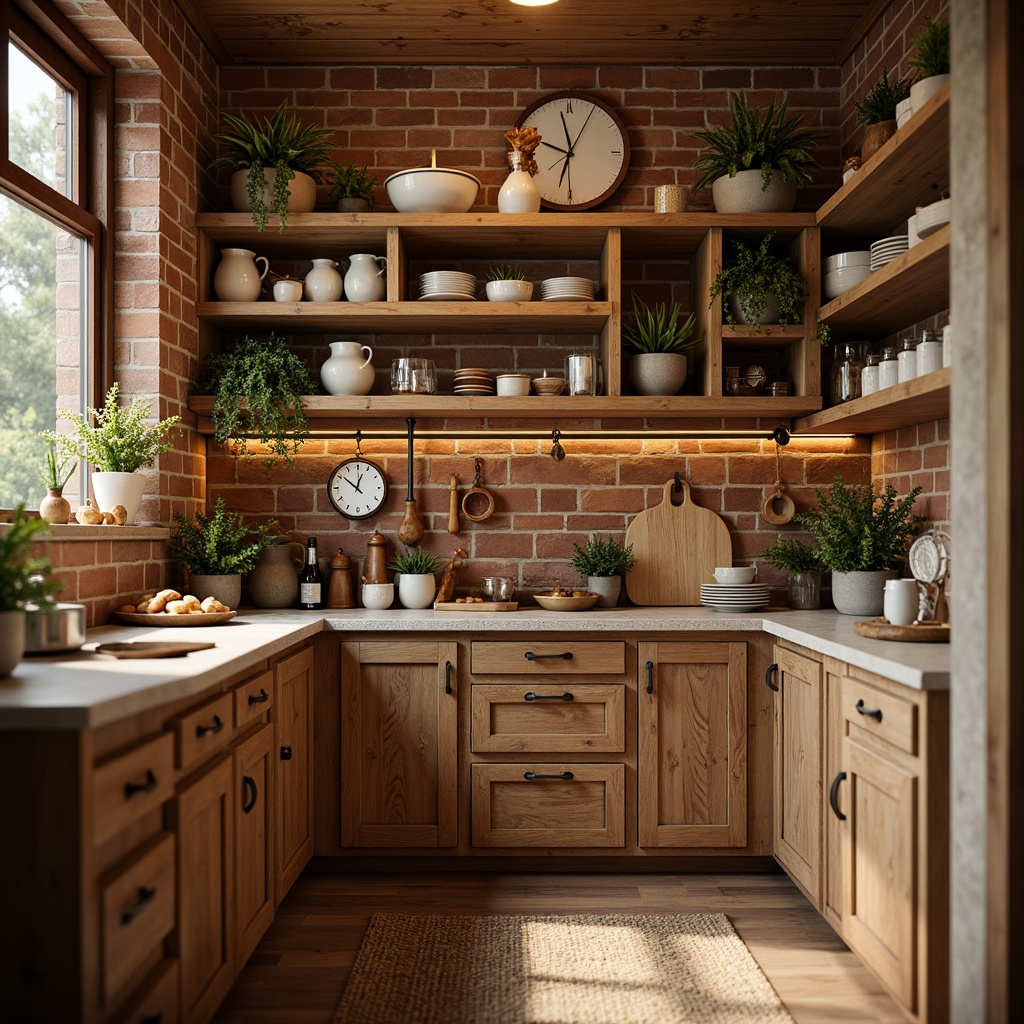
(519, 193)
(12, 640)
(922, 91)
(860, 593)
(301, 191)
(416, 590)
(110, 489)
(742, 193)
(346, 372)
(609, 587)
(226, 589)
(657, 373)
(238, 277)
(323, 283)
(364, 279)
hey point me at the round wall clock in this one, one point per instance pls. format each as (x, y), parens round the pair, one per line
(584, 151)
(357, 488)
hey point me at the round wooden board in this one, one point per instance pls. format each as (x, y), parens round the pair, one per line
(882, 629)
(170, 619)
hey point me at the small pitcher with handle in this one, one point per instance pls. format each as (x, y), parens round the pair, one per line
(364, 279)
(346, 372)
(238, 278)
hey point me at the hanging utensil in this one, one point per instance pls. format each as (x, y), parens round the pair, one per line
(928, 560)
(453, 504)
(410, 533)
(778, 508)
(477, 503)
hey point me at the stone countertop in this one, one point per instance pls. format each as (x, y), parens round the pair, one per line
(86, 690)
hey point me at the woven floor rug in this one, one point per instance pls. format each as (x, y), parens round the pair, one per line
(614, 969)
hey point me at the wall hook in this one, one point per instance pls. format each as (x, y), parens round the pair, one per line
(557, 451)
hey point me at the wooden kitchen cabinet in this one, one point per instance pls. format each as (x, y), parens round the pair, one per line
(399, 746)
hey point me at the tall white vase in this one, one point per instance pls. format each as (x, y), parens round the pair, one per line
(519, 193)
(110, 489)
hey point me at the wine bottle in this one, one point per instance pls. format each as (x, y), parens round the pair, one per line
(311, 580)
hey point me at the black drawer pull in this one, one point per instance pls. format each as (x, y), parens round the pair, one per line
(548, 696)
(447, 677)
(875, 713)
(533, 776)
(153, 1018)
(249, 783)
(131, 788)
(202, 730)
(286, 753)
(833, 795)
(772, 669)
(146, 896)
(261, 699)
(532, 656)
(650, 677)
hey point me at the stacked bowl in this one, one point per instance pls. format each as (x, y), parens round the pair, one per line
(885, 250)
(474, 380)
(447, 286)
(567, 289)
(931, 218)
(734, 597)
(549, 385)
(844, 270)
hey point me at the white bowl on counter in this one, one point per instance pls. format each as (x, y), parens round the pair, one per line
(378, 596)
(858, 258)
(842, 280)
(432, 190)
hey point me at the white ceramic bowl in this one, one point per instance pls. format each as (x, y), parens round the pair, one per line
(860, 258)
(844, 279)
(377, 596)
(288, 291)
(432, 190)
(735, 573)
(509, 291)
(512, 384)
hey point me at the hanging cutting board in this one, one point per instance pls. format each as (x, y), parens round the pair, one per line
(674, 546)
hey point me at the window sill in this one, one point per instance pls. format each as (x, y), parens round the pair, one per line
(76, 531)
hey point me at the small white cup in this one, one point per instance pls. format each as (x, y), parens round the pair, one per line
(902, 601)
(735, 573)
(288, 291)
(512, 385)
(378, 596)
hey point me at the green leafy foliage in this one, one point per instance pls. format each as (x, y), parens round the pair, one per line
(602, 557)
(59, 467)
(18, 566)
(351, 183)
(279, 141)
(932, 46)
(506, 272)
(657, 328)
(793, 554)
(258, 387)
(880, 103)
(860, 531)
(758, 140)
(415, 562)
(217, 545)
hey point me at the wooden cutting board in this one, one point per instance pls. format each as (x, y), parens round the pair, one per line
(675, 546)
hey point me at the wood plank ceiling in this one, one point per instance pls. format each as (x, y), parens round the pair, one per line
(569, 32)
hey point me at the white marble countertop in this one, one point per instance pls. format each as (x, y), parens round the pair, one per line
(84, 689)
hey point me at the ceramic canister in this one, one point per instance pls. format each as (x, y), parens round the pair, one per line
(902, 599)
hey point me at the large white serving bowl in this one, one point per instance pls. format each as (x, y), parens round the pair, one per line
(844, 279)
(432, 190)
(859, 258)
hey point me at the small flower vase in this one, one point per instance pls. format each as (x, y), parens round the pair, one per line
(519, 193)
(55, 508)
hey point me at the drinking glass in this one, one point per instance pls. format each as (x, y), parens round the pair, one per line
(413, 376)
(581, 369)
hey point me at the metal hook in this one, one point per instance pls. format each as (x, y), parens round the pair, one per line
(678, 485)
(476, 476)
(780, 435)
(557, 451)
(359, 441)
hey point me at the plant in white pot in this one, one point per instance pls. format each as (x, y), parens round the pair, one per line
(930, 61)
(603, 561)
(416, 581)
(862, 538)
(507, 283)
(660, 339)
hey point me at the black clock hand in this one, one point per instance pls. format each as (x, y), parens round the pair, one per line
(565, 128)
(565, 167)
(585, 123)
(548, 144)
(557, 160)
(355, 485)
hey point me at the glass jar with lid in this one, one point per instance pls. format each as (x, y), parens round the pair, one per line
(929, 353)
(869, 375)
(848, 359)
(906, 358)
(888, 368)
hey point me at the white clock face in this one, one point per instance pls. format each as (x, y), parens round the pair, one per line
(357, 488)
(583, 154)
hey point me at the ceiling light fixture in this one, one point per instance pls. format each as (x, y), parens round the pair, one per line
(534, 3)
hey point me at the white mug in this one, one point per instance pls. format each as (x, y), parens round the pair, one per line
(901, 602)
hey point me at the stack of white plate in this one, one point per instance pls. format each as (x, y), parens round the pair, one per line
(734, 597)
(447, 286)
(885, 250)
(567, 289)
(474, 380)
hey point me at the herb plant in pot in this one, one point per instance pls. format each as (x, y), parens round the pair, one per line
(416, 582)
(862, 538)
(756, 163)
(878, 111)
(55, 508)
(660, 339)
(930, 61)
(803, 587)
(507, 283)
(351, 188)
(603, 562)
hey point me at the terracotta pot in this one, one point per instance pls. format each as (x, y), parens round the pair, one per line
(301, 191)
(875, 137)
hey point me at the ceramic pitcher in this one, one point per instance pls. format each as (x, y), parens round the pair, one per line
(323, 283)
(274, 582)
(238, 278)
(364, 280)
(346, 372)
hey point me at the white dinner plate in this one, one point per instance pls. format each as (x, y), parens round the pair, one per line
(447, 297)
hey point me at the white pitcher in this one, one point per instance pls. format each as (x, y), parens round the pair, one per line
(323, 283)
(364, 281)
(345, 372)
(237, 278)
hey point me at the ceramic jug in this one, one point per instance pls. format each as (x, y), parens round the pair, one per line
(519, 193)
(237, 278)
(323, 283)
(346, 372)
(364, 280)
(274, 582)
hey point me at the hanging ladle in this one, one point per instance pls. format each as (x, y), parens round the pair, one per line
(410, 533)
(477, 503)
(778, 508)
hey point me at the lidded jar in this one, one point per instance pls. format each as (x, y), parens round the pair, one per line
(869, 375)
(929, 353)
(848, 360)
(888, 368)
(906, 359)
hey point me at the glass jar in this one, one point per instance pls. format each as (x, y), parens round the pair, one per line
(869, 375)
(888, 368)
(847, 362)
(929, 353)
(906, 359)
(803, 591)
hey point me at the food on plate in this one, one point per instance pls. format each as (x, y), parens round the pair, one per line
(564, 592)
(469, 600)
(170, 602)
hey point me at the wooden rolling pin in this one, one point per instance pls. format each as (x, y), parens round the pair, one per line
(453, 505)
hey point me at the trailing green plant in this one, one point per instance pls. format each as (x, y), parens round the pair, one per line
(19, 569)
(599, 557)
(657, 328)
(114, 439)
(217, 545)
(880, 103)
(858, 530)
(758, 140)
(351, 183)
(279, 141)
(415, 562)
(793, 554)
(506, 272)
(258, 387)
(932, 49)
(59, 466)
(751, 276)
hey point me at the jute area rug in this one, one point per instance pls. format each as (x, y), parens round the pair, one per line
(614, 969)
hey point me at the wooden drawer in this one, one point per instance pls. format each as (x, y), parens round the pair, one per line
(159, 1001)
(551, 717)
(253, 698)
(548, 657)
(130, 785)
(204, 731)
(136, 913)
(880, 713)
(548, 804)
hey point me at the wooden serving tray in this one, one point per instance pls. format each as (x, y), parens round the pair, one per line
(476, 606)
(151, 649)
(170, 619)
(924, 632)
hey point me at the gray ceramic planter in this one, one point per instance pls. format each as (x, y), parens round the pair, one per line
(860, 593)
(609, 587)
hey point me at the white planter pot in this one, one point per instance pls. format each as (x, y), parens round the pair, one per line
(416, 590)
(509, 291)
(301, 191)
(110, 489)
(742, 193)
(226, 589)
(609, 587)
(12, 640)
(921, 92)
(860, 593)
(657, 373)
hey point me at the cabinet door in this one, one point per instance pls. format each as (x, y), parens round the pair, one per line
(399, 749)
(293, 737)
(798, 799)
(692, 745)
(254, 832)
(204, 821)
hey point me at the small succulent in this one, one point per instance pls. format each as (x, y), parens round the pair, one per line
(657, 328)
(506, 272)
(415, 562)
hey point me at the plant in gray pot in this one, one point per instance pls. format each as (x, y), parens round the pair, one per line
(603, 562)
(660, 339)
(862, 538)
(351, 188)
(803, 587)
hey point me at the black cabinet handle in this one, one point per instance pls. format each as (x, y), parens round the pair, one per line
(286, 753)
(261, 699)
(153, 1018)
(875, 713)
(532, 776)
(548, 696)
(772, 669)
(249, 784)
(650, 677)
(447, 677)
(131, 788)
(202, 730)
(833, 794)
(146, 896)
(564, 656)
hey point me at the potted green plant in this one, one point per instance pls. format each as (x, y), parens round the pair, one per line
(603, 561)
(862, 538)
(351, 188)
(877, 110)
(743, 157)
(660, 338)
(275, 163)
(60, 467)
(416, 582)
(116, 440)
(257, 387)
(930, 61)
(803, 587)
(507, 283)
